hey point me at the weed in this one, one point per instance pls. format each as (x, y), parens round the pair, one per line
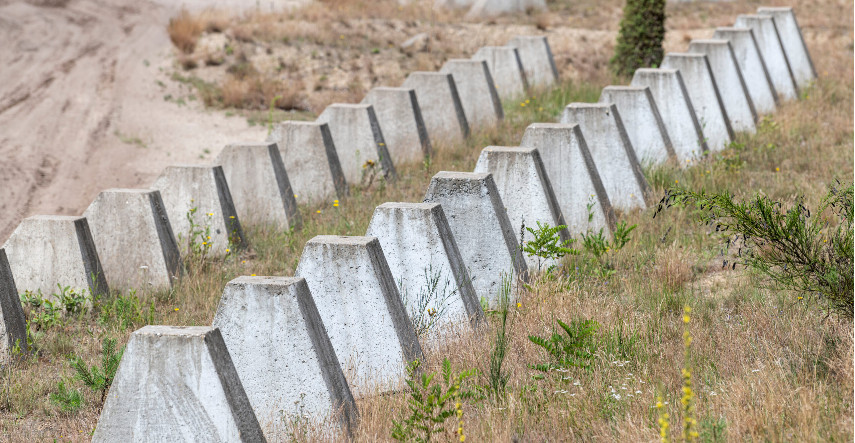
(547, 245)
(497, 376)
(429, 305)
(68, 400)
(574, 349)
(126, 311)
(99, 378)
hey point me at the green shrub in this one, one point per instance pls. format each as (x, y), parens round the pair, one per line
(68, 400)
(639, 43)
(96, 378)
(547, 244)
(574, 349)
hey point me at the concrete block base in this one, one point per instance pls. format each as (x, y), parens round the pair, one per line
(358, 141)
(477, 93)
(311, 161)
(753, 68)
(793, 43)
(506, 69)
(13, 327)
(401, 122)
(537, 60)
(728, 77)
(441, 106)
(769, 42)
(642, 122)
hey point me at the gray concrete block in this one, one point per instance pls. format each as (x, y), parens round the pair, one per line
(441, 107)
(426, 264)
(401, 122)
(642, 121)
(134, 239)
(506, 69)
(728, 77)
(793, 43)
(537, 60)
(481, 229)
(309, 155)
(573, 175)
(477, 93)
(177, 383)
(753, 67)
(358, 141)
(612, 152)
(704, 95)
(259, 185)
(676, 109)
(525, 190)
(45, 251)
(361, 307)
(769, 42)
(282, 353)
(492, 8)
(13, 326)
(202, 194)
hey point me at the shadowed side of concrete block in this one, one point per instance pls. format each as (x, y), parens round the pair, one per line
(282, 352)
(612, 152)
(793, 43)
(642, 121)
(705, 97)
(477, 93)
(537, 60)
(177, 384)
(13, 327)
(440, 104)
(199, 205)
(358, 141)
(134, 239)
(752, 66)
(47, 251)
(310, 158)
(525, 190)
(401, 121)
(574, 176)
(492, 8)
(361, 307)
(731, 86)
(672, 100)
(506, 69)
(259, 185)
(769, 43)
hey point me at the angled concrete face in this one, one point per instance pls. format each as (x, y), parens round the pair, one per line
(705, 97)
(401, 122)
(358, 141)
(45, 251)
(311, 160)
(676, 109)
(281, 352)
(525, 190)
(753, 67)
(481, 229)
(259, 185)
(506, 69)
(420, 248)
(574, 176)
(773, 54)
(134, 239)
(642, 121)
(492, 8)
(731, 86)
(477, 94)
(793, 42)
(612, 153)
(200, 193)
(441, 107)
(177, 384)
(13, 327)
(361, 307)
(537, 60)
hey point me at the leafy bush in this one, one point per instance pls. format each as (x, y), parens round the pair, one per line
(574, 349)
(642, 31)
(547, 244)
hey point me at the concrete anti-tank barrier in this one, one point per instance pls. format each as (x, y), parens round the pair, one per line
(491, 8)
(793, 43)
(476, 89)
(772, 52)
(506, 69)
(441, 107)
(401, 122)
(13, 326)
(753, 67)
(358, 141)
(309, 155)
(642, 122)
(731, 85)
(537, 60)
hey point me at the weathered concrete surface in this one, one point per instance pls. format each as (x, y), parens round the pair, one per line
(419, 247)
(642, 122)
(202, 193)
(731, 86)
(492, 8)
(753, 68)
(506, 69)
(525, 190)
(282, 353)
(612, 152)
(310, 158)
(704, 94)
(49, 250)
(134, 239)
(573, 175)
(13, 327)
(177, 383)
(772, 51)
(401, 122)
(477, 93)
(537, 61)
(361, 308)
(441, 107)
(481, 228)
(677, 112)
(793, 43)
(259, 185)
(358, 141)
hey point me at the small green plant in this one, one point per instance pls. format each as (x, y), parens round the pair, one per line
(642, 31)
(68, 400)
(125, 311)
(198, 238)
(99, 378)
(44, 313)
(574, 349)
(72, 301)
(428, 307)
(497, 376)
(547, 245)
(597, 244)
